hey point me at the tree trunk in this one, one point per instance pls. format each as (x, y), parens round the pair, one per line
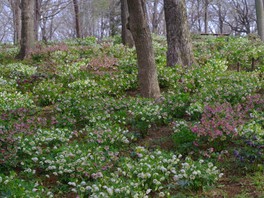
(77, 18)
(15, 6)
(36, 17)
(127, 38)
(206, 3)
(113, 22)
(27, 32)
(260, 18)
(44, 30)
(147, 73)
(220, 18)
(178, 35)
(199, 16)
(102, 27)
(155, 17)
(51, 29)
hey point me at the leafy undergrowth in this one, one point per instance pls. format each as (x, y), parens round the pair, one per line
(73, 124)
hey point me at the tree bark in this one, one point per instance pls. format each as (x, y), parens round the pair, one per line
(51, 31)
(206, 3)
(260, 18)
(36, 17)
(199, 16)
(27, 32)
(220, 18)
(15, 6)
(147, 73)
(178, 34)
(77, 18)
(127, 38)
(155, 17)
(43, 30)
(113, 21)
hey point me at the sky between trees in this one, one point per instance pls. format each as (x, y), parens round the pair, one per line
(102, 18)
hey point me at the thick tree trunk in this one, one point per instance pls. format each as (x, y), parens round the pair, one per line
(260, 17)
(127, 38)
(27, 32)
(77, 18)
(178, 35)
(147, 73)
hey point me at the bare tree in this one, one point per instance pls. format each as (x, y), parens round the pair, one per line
(241, 16)
(220, 9)
(50, 9)
(147, 73)
(195, 13)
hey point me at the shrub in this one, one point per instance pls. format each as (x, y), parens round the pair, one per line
(103, 62)
(13, 186)
(89, 41)
(221, 121)
(183, 137)
(195, 110)
(229, 87)
(147, 174)
(17, 70)
(251, 154)
(47, 92)
(15, 100)
(175, 105)
(15, 124)
(231, 49)
(44, 52)
(142, 114)
(169, 77)
(7, 85)
(197, 174)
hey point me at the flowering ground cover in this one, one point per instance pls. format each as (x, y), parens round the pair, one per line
(73, 124)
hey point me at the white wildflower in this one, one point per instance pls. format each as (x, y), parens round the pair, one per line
(148, 191)
(110, 191)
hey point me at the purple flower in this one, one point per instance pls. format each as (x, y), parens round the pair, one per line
(236, 153)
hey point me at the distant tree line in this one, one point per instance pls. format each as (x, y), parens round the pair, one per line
(62, 19)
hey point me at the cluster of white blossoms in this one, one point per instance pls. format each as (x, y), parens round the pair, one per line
(147, 173)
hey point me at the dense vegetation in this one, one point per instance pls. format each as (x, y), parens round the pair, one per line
(72, 122)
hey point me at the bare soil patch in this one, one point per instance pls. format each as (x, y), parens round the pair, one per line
(158, 137)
